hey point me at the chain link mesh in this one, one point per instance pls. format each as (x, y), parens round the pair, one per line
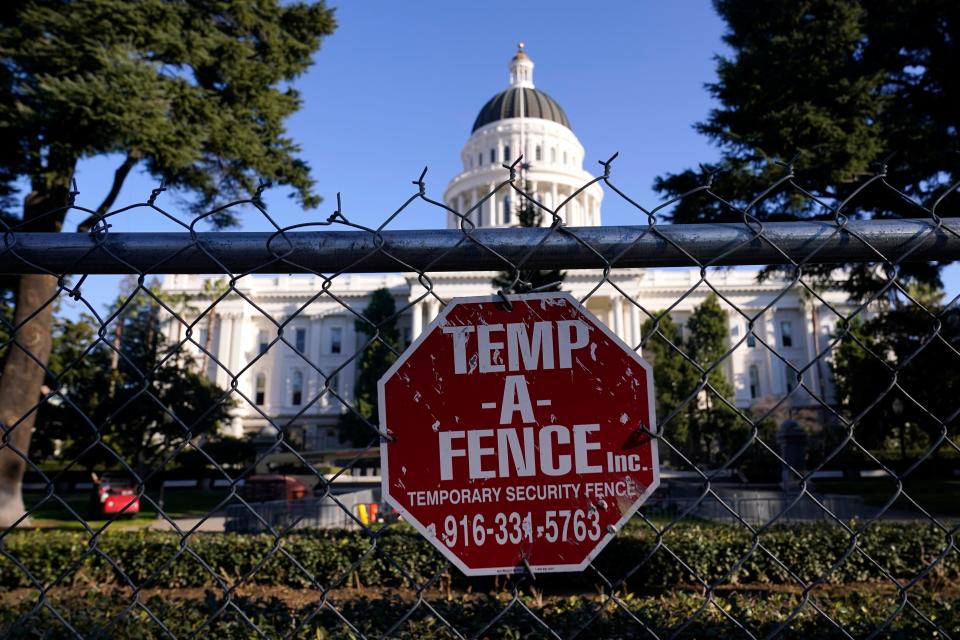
(772, 578)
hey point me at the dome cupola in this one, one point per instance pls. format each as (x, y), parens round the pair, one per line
(522, 120)
(521, 99)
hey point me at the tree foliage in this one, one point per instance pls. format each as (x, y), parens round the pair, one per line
(919, 350)
(142, 400)
(195, 92)
(379, 326)
(839, 85)
(705, 426)
(529, 216)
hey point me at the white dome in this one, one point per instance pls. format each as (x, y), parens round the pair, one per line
(552, 159)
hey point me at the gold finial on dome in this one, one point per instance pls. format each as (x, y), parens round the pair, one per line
(521, 54)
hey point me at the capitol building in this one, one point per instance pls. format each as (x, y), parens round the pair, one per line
(289, 388)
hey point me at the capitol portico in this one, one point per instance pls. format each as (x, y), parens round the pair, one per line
(284, 382)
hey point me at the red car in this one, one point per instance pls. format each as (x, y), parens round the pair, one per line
(113, 495)
(269, 488)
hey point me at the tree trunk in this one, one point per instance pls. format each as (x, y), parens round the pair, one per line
(29, 350)
(20, 386)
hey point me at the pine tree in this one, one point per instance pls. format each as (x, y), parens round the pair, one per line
(918, 349)
(153, 402)
(715, 428)
(703, 427)
(839, 85)
(195, 93)
(674, 377)
(359, 426)
(529, 216)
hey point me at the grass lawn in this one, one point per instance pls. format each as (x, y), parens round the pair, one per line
(939, 497)
(177, 503)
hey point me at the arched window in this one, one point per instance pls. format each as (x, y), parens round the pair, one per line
(479, 159)
(754, 375)
(553, 154)
(564, 157)
(260, 389)
(507, 210)
(493, 155)
(537, 153)
(296, 388)
(506, 153)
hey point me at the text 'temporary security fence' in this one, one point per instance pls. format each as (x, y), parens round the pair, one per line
(809, 447)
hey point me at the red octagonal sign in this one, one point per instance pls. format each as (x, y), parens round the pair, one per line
(520, 436)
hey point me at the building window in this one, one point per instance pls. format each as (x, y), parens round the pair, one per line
(336, 339)
(791, 376)
(754, 382)
(507, 210)
(300, 340)
(537, 153)
(260, 389)
(751, 340)
(333, 384)
(296, 388)
(479, 159)
(506, 153)
(263, 340)
(735, 330)
(493, 155)
(407, 336)
(553, 154)
(786, 334)
(564, 157)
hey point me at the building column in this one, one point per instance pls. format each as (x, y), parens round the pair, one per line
(812, 375)
(416, 320)
(223, 350)
(433, 309)
(776, 384)
(617, 310)
(492, 204)
(635, 326)
(314, 350)
(553, 196)
(232, 361)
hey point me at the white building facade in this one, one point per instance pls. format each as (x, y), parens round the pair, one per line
(304, 380)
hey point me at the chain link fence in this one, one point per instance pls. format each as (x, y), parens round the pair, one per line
(810, 461)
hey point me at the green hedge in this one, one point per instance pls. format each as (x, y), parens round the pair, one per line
(103, 615)
(328, 556)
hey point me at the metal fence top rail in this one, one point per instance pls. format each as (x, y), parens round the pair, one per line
(807, 242)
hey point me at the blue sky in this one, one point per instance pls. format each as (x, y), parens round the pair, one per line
(398, 85)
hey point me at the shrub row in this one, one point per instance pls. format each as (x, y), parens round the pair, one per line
(97, 614)
(335, 557)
